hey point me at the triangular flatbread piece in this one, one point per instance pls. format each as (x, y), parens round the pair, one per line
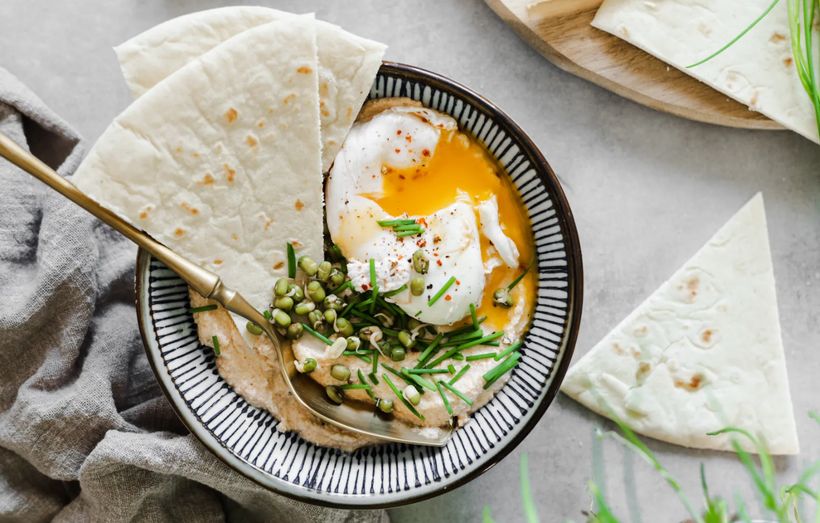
(221, 160)
(347, 63)
(703, 352)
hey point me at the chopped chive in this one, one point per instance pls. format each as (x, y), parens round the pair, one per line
(455, 350)
(364, 304)
(466, 328)
(316, 334)
(474, 316)
(444, 399)
(347, 309)
(482, 356)
(392, 293)
(418, 380)
(369, 390)
(364, 316)
(480, 341)
(343, 287)
(457, 392)
(355, 386)
(428, 352)
(502, 368)
(398, 374)
(217, 350)
(519, 278)
(393, 223)
(407, 227)
(441, 291)
(409, 233)
(373, 285)
(373, 379)
(492, 343)
(375, 367)
(458, 356)
(399, 395)
(506, 352)
(204, 308)
(267, 314)
(451, 369)
(291, 261)
(427, 371)
(460, 373)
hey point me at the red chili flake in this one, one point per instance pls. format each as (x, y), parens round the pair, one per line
(409, 138)
(439, 263)
(458, 282)
(365, 287)
(448, 298)
(425, 152)
(398, 132)
(397, 150)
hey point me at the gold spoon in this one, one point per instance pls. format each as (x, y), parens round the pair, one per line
(309, 393)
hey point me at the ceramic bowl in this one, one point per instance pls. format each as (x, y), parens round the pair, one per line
(247, 438)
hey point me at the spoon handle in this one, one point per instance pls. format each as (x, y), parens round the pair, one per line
(201, 280)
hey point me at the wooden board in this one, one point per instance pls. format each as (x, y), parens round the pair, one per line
(566, 38)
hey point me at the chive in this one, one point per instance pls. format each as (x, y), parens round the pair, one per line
(418, 380)
(355, 386)
(362, 381)
(291, 261)
(474, 316)
(466, 328)
(409, 233)
(492, 344)
(375, 367)
(427, 371)
(343, 287)
(393, 223)
(458, 356)
(482, 356)
(267, 314)
(444, 399)
(316, 334)
(399, 395)
(738, 37)
(441, 291)
(519, 278)
(455, 391)
(407, 227)
(502, 368)
(455, 350)
(373, 285)
(460, 373)
(428, 352)
(347, 309)
(451, 369)
(360, 314)
(398, 374)
(364, 304)
(480, 341)
(504, 353)
(392, 293)
(204, 308)
(215, 341)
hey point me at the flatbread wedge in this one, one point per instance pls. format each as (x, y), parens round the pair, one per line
(703, 352)
(758, 70)
(221, 160)
(347, 63)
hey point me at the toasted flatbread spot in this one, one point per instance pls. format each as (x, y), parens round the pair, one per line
(230, 115)
(304, 70)
(217, 261)
(179, 232)
(298, 205)
(777, 38)
(278, 265)
(208, 179)
(261, 123)
(251, 140)
(230, 174)
(193, 210)
(286, 100)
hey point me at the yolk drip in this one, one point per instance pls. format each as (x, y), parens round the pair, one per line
(462, 165)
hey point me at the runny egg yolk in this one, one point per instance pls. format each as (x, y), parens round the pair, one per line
(460, 165)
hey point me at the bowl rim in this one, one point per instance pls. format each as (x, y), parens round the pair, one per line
(575, 294)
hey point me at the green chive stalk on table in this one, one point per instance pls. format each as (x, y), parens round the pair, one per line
(782, 504)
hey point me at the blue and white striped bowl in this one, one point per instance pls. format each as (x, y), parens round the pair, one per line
(247, 438)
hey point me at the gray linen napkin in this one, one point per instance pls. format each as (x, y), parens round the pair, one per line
(85, 432)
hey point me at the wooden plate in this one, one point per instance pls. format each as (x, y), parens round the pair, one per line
(563, 34)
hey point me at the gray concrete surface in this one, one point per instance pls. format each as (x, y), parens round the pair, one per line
(647, 190)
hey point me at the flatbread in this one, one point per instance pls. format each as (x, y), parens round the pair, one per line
(347, 63)
(702, 352)
(758, 70)
(221, 160)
